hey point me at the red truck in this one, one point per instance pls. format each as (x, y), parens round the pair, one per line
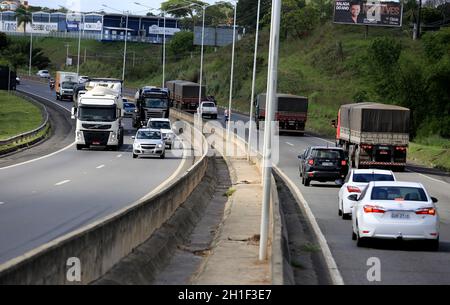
(291, 113)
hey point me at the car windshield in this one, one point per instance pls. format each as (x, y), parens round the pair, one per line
(159, 124)
(128, 105)
(209, 105)
(366, 178)
(149, 135)
(99, 114)
(327, 154)
(68, 85)
(155, 103)
(399, 193)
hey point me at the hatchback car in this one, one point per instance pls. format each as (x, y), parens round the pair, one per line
(165, 127)
(43, 74)
(395, 210)
(323, 164)
(355, 182)
(128, 108)
(148, 142)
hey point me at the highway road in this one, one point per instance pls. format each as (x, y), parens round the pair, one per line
(401, 263)
(47, 198)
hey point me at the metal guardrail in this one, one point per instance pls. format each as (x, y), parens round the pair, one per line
(20, 139)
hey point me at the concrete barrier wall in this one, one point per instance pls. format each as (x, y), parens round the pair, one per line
(281, 271)
(99, 246)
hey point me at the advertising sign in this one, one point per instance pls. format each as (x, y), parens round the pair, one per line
(72, 26)
(42, 27)
(156, 30)
(93, 26)
(8, 26)
(368, 12)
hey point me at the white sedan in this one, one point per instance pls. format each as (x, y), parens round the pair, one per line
(355, 182)
(395, 210)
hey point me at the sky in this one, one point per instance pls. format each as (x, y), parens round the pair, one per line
(96, 5)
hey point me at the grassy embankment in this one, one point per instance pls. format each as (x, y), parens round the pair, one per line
(18, 116)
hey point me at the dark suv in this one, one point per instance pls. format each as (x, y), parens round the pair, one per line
(323, 164)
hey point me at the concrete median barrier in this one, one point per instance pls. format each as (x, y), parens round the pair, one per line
(97, 247)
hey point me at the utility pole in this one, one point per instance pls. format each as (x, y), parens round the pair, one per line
(271, 105)
(419, 20)
(67, 52)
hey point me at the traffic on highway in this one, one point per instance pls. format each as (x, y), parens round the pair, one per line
(134, 180)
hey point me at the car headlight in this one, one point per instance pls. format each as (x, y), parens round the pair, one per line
(137, 145)
(113, 135)
(79, 135)
(160, 146)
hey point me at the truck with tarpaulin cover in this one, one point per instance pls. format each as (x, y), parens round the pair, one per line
(373, 134)
(291, 113)
(186, 96)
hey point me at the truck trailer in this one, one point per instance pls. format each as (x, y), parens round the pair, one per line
(186, 95)
(64, 84)
(373, 134)
(291, 113)
(151, 102)
(98, 115)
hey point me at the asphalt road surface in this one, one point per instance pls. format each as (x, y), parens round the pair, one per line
(401, 263)
(49, 197)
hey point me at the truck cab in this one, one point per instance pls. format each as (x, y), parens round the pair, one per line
(64, 85)
(151, 102)
(98, 115)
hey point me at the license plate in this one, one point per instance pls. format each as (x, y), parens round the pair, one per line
(400, 215)
(327, 163)
(291, 122)
(96, 143)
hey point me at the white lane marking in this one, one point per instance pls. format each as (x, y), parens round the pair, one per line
(323, 140)
(100, 166)
(62, 182)
(46, 156)
(1, 203)
(335, 275)
(119, 156)
(290, 144)
(428, 177)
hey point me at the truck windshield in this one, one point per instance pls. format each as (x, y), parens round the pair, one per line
(98, 114)
(209, 105)
(149, 135)
(68, 85)
(155, 103)
(159, 125)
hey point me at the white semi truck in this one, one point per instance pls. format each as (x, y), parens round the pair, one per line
(98, 115)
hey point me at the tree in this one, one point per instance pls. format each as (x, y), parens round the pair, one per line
(175, 6)
(4, 41)
(221, 13)
(23, 17)
(181, 43)
(246, 12)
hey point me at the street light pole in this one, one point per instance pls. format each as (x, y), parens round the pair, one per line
(79, 44)
(125, 48)
(252, 99)
(270, 113)
(164, 53)
(201, 57)
(31, 51)
(232, 71)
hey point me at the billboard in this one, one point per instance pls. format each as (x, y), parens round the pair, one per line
(42, 27)
(8, 26)
(368, 12)
(98, 26)
(156, 30)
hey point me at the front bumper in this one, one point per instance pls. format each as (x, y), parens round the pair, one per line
(148, 152)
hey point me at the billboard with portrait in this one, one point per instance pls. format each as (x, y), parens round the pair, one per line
(368, 12)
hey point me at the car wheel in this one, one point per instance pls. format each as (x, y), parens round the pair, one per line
(339, 208)
(433, 245)
(135, 156)
(360, 242)
(307, 181)
(169, 147)
(80, 147)
(346, 216)
(354, 237)
(163, 156)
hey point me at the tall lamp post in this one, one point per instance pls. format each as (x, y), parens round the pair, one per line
(272, 80)
(232, 70)
(252, 99)
(164, 13)
(127, 14)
